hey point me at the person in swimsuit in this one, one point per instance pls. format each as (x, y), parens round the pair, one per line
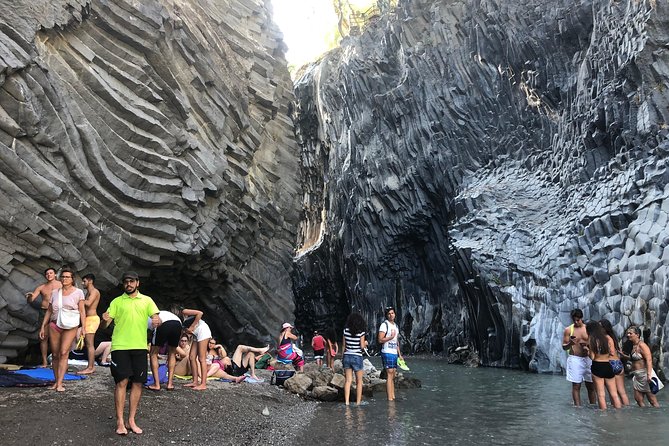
(642, 367)
(40, 298)
(616, 363)
(574, 338)
(602, 371)
(71, 298)
(286, 352)
(243, 360)
(92, 320)
(182, 367)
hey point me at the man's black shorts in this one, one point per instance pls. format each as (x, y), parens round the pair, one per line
(169, 332)
(130, 364)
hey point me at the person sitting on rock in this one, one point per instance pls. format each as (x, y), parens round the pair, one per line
(286, 351)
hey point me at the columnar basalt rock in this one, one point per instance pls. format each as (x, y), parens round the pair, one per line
(488, 166)
(150, 135)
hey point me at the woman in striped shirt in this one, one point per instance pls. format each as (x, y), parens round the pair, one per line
(354, 343)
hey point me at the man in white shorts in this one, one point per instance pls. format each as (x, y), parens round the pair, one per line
(574, 339)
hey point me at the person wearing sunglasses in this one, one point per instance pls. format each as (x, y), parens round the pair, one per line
(68, 298)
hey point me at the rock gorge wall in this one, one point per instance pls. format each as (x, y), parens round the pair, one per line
(487, 166)
(151, 135)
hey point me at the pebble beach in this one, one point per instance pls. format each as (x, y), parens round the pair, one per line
(224, 414)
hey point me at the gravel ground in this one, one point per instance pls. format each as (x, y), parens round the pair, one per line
(226, 414)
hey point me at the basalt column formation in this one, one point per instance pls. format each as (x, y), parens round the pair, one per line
(149, 135)
(486, 166)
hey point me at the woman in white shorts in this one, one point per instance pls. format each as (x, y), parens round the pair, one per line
(198, 352)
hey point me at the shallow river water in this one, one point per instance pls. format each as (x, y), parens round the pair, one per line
(486, 406)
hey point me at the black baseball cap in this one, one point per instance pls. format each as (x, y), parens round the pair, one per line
(129, 275)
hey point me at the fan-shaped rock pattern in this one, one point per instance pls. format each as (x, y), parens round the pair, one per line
(488, 166)
(151, 135)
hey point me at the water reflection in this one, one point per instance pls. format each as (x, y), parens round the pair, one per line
(355, 418)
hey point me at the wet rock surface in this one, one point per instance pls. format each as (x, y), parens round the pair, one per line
(486, 167)
(223, 414)
(151, 136)
(324, 384)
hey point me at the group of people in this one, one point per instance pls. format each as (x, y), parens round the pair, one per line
(191, 350)
(355, 343)
(594, 356)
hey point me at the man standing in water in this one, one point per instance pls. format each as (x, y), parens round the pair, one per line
(129, 312)
(574, 339)
(388, 336)
(92, 320)
(41, 298)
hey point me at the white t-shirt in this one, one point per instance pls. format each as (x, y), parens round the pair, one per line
(391, 346)
(164, 317)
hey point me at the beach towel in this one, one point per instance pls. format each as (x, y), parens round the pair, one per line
(162, 375)
(252, 380)
(47, 374)
(11, 379)
(190, 378)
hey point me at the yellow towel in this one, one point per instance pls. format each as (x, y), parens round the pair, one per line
(190, 378)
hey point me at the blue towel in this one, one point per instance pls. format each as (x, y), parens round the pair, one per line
(47, 374)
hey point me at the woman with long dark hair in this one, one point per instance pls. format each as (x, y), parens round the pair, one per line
(602, 372)
(354, 343)
(616, 363)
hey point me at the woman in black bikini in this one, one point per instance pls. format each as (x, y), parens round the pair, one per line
(642, 366)
(616, 363)
(602, 371)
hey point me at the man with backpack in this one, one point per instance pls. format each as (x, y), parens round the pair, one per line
(389, 337)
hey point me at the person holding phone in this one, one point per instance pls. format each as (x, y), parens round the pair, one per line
(575, 341)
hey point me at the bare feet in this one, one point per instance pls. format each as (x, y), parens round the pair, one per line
(200, 387)
(240, 379)
(121, 430)
(190, 385)
(60, 389)
(86, 371)
(134, 428)
(53, 387)
(170, 387)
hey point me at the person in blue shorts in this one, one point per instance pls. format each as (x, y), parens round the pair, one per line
(389, 338)
(354, 343)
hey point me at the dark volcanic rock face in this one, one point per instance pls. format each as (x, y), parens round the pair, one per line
(486, 166)
(152, 136)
